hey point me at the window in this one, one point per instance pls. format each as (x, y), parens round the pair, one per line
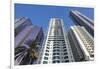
(46, 54)
(64, 44)
(56, 53)
(64, 47)
(66, 60)
(92, 51)
(47, 47)
(46, 58)
(47, 50)
(66, 57)
(45, 62)
(64, 50)
(56, 47)
(56, 50)
(56, 61)
(56, 57)
(55, 44)
(65, 53)
(92, 55)
(48, 42)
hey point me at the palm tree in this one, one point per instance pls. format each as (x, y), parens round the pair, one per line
(25, 54)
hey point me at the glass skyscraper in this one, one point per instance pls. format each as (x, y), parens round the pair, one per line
(21, 23)
(28, 42)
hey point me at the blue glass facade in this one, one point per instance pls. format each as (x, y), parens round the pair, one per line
(21, 23)
(27, 43)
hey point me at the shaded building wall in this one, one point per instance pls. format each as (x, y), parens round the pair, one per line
(29, 38)
(77, 52)
(82, 20)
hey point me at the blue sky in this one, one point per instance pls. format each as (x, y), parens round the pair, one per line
(41, 14)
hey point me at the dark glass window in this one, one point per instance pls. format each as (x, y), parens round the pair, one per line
(46, 54)
(64, 50)
(56, 53)
(47, 47)
(56, 50)
(47, 50)
(56, 57)
(64, 44)
(45, 62)
(66, 57)
(56, 61)
(66, 60)
(64, 47)
(65, 53)
(46, 58)
(56, 47)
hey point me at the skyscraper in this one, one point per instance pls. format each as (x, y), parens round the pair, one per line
(56, 48)
(27, 44)
(82, 43)
(21, 23)
(82, 20)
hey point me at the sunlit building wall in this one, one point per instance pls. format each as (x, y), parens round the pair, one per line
(56, 48)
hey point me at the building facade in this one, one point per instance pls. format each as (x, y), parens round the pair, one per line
(82, 43)
(56, 48)
(28, 44)
(21, 23)
(82, 20)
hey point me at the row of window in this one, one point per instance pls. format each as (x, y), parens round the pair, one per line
(55, 40)
(57, 50)
(56, 57)
(55, 61)
(57, 47)
(47, 54)
(57, 44)
(57, 36)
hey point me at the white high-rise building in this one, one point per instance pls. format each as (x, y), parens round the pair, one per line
(82, 43)
(56, 48)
